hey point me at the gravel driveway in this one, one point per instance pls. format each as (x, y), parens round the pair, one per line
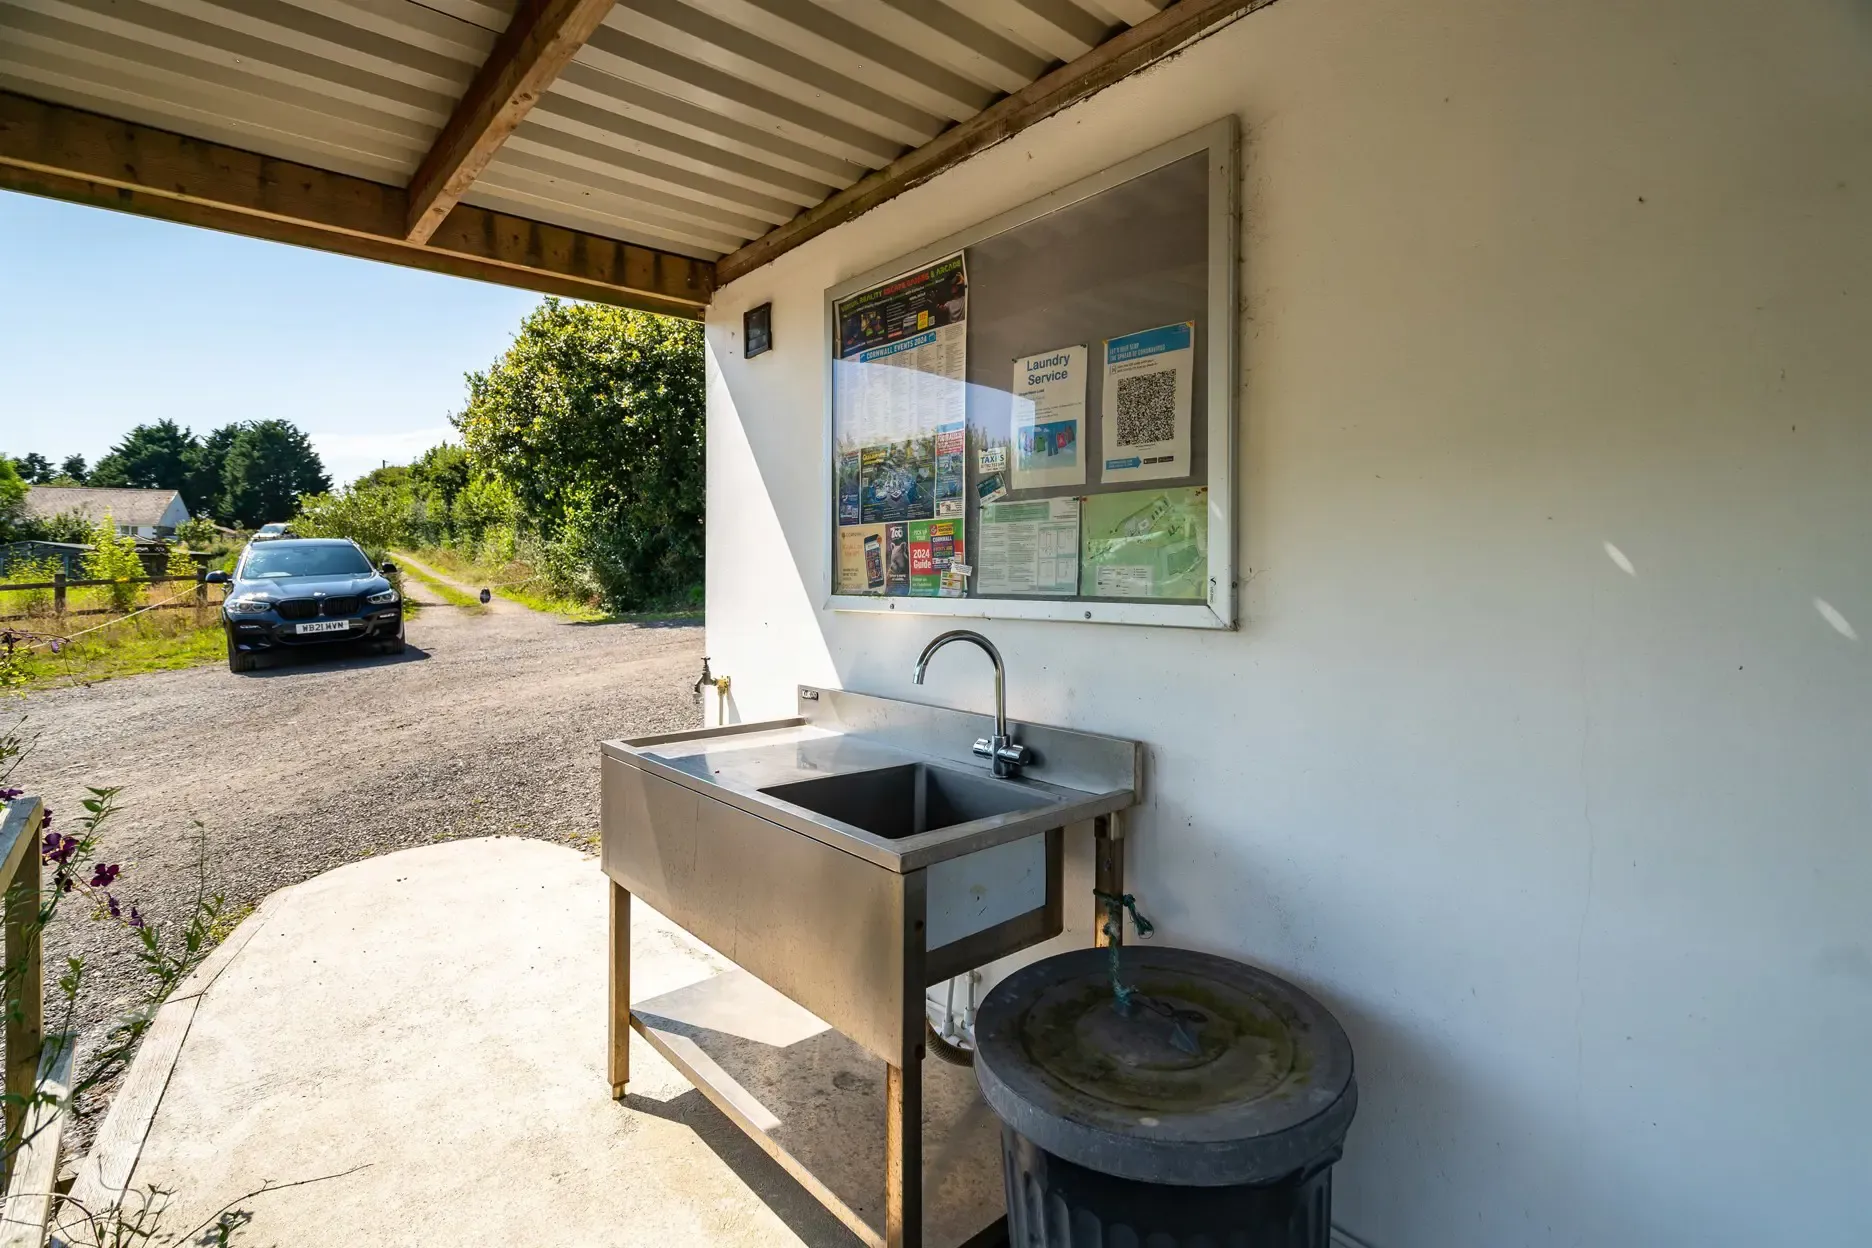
(488, 725)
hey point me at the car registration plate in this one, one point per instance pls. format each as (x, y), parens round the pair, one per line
(324, 626)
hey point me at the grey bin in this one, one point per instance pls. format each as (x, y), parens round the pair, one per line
(1210, 1113)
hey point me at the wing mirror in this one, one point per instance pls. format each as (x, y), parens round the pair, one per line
(215, 578)
(386, 567)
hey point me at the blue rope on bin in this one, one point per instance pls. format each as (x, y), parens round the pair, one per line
(1116, 904)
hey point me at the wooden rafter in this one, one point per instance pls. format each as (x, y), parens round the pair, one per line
(66, 153)
(1124, 53)
(540, 41)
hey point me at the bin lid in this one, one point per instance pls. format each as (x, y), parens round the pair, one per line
(1219, 1073)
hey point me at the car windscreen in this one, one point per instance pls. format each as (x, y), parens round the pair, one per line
(272, 561)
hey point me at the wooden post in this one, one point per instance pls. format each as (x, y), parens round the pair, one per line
(25, 1006)
(58, 593)
(903, 1087)
(620, 1028)
(1108, 877)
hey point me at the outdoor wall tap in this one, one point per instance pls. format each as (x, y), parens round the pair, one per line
(719, 684)
(1007, 757)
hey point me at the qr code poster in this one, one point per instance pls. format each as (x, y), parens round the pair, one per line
(1146, 422)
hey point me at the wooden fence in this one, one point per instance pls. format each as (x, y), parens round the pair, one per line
(60, 583)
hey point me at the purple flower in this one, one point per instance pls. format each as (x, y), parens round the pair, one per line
(45, 817)
(136, 920)
(7, 795)
(57, 644)
(65, 883)
(104, 874)
(116, 911)
(58, 848)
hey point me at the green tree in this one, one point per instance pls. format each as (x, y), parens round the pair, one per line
(12, 499)
(155, 457)
(594, 420)
(74, 467)
(207, 487)
(270, 466)
(35, 468)
(442, 472)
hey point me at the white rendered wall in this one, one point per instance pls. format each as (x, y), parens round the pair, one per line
(1544, 755)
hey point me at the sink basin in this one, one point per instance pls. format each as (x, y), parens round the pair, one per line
(895, 802)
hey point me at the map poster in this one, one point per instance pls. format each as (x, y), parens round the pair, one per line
(898, 482)
(861, 559)
(1029, 548)
(1145, 426)
(1049, 417)
(1146, 544)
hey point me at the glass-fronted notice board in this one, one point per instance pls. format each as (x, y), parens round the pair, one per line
(1035, 418)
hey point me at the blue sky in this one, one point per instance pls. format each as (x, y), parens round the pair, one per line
(109, 320)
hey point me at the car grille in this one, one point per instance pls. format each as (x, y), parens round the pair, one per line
(297, 608)
(341, 606)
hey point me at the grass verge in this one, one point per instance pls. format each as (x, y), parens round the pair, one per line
(156, 641)
(454, 597)
(518, 581)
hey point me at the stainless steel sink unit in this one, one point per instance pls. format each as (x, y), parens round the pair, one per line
(849, 857)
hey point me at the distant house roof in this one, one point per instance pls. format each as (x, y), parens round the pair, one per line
(128, 508)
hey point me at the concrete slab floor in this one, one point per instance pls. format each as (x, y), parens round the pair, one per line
(436, 1017)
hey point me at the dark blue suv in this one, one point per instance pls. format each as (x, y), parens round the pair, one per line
(304, 593)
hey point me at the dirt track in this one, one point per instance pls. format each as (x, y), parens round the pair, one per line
(489, 724)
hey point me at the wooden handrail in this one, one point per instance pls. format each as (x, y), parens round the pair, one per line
(27, 1214)
(30, 1061)
(25, 1023)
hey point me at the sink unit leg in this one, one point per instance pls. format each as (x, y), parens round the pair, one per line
(903, 1084)
(620, 1028)
(1108, 877)
(903, 1155)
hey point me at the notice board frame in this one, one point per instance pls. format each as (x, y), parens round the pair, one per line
(1218, 143)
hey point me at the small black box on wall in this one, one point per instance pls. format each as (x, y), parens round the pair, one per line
(757, 330)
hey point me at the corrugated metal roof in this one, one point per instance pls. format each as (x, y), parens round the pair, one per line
(691, 125)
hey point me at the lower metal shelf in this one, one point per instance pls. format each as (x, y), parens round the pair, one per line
(814, 1101)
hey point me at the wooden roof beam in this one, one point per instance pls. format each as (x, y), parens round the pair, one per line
(1125, 53)
(69, 154)
(539, 42)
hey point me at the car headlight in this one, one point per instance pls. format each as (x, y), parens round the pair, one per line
(383, 599)
(248, 606)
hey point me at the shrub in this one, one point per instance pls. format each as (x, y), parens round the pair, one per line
(30, 572)
(114, 559)
(178, 561)
(198, 533)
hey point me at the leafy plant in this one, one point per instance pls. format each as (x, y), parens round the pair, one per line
(114, 558)
(198, 533)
